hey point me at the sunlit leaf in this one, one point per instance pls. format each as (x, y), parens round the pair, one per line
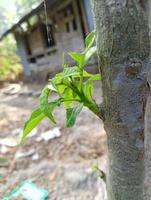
(52, 87)
(65, 66)
(36, 116)
(77, 83)
(90, 39)
(78, 57)
(61, 88)
(86, 74)
(72, 71)
(95, 77)
(89, 54)
(73, 84)
(68, 94)
(88, 90)
(44, 105)
(71, 115)
(57, 79)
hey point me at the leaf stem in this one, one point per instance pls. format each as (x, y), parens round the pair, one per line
(71, 100)
(81, 82)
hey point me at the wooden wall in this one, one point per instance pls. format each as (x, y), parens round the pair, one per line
(69, 24)
(35, 41)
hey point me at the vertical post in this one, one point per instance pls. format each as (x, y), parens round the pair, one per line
(89, 14)
(22, 53)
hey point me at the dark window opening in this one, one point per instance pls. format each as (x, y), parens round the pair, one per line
(27, 46)
(32, 60)
(40, 56)
(74, 24)
(67, 27)
(48, 36)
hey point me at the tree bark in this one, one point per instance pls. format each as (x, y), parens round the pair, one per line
(123, 51)
(147, 183)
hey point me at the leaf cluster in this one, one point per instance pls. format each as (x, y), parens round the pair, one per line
(74, 88)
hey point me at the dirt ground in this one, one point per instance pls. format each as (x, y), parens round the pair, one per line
(62, 165)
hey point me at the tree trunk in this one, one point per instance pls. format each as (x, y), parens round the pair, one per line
(123, 51)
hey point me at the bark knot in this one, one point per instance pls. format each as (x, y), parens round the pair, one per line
(133, 68)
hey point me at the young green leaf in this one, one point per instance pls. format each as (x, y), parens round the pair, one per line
(70, 85)
(36, 116)
(51, 86)
(88, 90)
(89, 54)
(86, 74)
(44, 105)
(72, 71)
(76, 72)
(90, 39)
(61, 88)
(57, 79)
(71, 115)
(68, 94)
(78, 57)
(65, 66)
(95, 77)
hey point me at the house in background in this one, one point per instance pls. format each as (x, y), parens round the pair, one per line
(68, 23)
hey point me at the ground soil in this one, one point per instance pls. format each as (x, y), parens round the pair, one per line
(62, 165)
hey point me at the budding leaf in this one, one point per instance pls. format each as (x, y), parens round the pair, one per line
(95, 77)
(90, 39)
(57, 79)
(68, 94)
(61, 88)
(78, 57)
(36, 116)
(72, 114)
(71, 71)
(71, 86)
(88, 90)
(44, 105)
(89, 54)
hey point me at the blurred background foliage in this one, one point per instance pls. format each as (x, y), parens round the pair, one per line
(10, 12)
(10, 66)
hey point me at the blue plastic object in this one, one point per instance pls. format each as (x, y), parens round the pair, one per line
(29, 191)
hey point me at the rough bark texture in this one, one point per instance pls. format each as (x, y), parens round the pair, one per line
(147, 191)
(148, 131)
(123, 51)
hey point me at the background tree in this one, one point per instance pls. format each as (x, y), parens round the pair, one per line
(10, 13)
(10, 65)
(123, 51)
(3, 21)
(24, 6)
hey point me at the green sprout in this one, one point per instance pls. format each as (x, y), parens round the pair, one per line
(102, 174)
(74, 88)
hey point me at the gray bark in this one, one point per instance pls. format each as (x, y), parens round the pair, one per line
(123, 51)
(147, 182)
(147, 191)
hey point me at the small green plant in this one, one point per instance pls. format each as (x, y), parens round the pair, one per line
(74, 88)
(102, 174)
